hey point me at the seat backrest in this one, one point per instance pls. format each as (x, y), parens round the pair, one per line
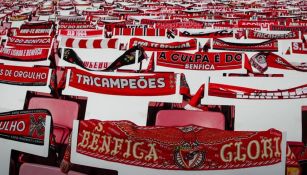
(63, 111)
(30, 169)
(185, 117)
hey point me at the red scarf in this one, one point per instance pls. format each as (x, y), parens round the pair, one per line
(21, 54)
(135, 85)
(40, 42)
(24, 76)
(206, 34)
(154, 46)
(260, 35)
(177, 148)
(261, 24)
(299, 47)
(34, 32)
(159, 21)
(24, 126)
(270, 45)
(184, 24)
(80, 33)
(200, 60)
(229, 91)
(289, 28)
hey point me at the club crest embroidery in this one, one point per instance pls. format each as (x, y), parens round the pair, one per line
(189, 154)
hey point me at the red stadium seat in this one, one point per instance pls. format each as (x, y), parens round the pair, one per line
(63, 113)
(185, 117)
(36, 169)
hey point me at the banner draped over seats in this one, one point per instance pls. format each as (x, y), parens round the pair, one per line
(188, 147)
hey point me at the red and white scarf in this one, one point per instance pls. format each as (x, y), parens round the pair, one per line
(89, 43)
(139, 31)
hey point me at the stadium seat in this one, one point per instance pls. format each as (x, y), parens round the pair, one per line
(186, 117)
(36, 169)
(63, 113)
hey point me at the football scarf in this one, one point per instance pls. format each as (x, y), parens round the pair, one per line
(89, 43)
(187, 147)
(261, 24)
(125, 12)
(66, 7)
(109, 25)
(139, 31)
(235, 26)
(81, 33)
(45, 12)
(261, 35)
(23, 54)
(289, 28)
(76, 25)
(126, 59)
(23, 76)
(33, 32)
(299, 47)
(159, 21)
(184, 24)
(41, 42)
(24, 126)
(230, 91)
(96, 12)
(71, 18)
(206, 33)
(200, 60)
(262, 61)
(19, 18)
(71, 56)
(270, 45)
(38, 25)
(153, 84)
(154, 46)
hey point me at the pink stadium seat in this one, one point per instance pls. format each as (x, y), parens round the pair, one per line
(63, 113)
(185, 117)
(36, 169)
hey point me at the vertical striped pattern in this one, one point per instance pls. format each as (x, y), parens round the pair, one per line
(89, 43)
